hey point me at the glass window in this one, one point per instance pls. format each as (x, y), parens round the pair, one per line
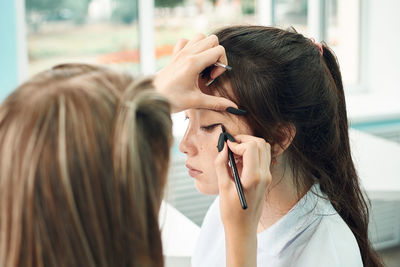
(176, 19)
(341, 29)
(289, 13)
(91, 31)
(343, 35)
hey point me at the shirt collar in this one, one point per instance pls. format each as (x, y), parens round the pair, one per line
(307, 211)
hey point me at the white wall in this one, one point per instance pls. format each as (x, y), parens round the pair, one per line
(380, 63)
(382, 42)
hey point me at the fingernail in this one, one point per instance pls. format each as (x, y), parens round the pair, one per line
(219, 64)
(221, 142)
(236, 111)
(229, 137)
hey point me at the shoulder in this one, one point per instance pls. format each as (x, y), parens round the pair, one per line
(212, 224)
(210, 247)
(332, 244)
(212, 220)
(213, 212)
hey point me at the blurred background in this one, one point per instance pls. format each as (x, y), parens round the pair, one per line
(109, 31)
(138, 36)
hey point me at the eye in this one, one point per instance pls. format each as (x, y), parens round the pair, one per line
(209, 128)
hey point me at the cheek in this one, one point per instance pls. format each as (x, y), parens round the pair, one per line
(208, 150)
(208, 146)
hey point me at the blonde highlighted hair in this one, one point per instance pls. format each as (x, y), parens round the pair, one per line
(84, 154)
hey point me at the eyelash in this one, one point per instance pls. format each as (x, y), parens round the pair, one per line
(209, 128)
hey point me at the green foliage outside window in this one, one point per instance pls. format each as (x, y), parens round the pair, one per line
(60, 9)
(248, 6)
(168, 3)
(126, 11)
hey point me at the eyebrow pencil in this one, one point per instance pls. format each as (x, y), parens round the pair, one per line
(219, 64)
(235, 173)
(207, 71)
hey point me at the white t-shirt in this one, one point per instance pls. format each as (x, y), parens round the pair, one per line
(311, 234)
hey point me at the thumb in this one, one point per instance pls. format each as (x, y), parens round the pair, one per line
(222, 169)
(214, 102)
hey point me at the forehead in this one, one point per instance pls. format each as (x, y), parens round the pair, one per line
(220, 87)
(208, 113)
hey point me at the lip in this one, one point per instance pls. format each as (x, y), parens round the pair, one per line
(192, 171)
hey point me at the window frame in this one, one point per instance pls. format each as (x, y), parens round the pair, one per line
(17, 62)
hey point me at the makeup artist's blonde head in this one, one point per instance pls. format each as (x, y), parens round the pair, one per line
(83, 159)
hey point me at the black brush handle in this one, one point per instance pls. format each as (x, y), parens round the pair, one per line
(236, 178)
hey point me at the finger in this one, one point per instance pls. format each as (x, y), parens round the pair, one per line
(195, 39)
(180, 45)
(246, 138)
(248, 151)
(237, 148)
(204, 44)
(211, 56)
(222, 169)
(263, 147)
(214, 102)
(250, 161)
(265, 157)
(264, 151)
(217, 71)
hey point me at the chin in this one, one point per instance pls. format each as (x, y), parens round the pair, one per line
(206, 189)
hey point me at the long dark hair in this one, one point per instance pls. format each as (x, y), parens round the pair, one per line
(84, 156)
(282, 80)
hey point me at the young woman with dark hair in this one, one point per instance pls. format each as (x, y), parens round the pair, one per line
(314, 212)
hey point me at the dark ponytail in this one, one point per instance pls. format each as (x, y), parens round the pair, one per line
(345, 194)
(282, 80)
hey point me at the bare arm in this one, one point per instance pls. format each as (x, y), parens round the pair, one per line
(241, 225)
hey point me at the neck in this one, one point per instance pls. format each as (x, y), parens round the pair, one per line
(281, 195)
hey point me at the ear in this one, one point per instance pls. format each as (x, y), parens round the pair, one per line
(287, 134)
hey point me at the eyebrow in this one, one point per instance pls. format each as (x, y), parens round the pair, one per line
(224, 113)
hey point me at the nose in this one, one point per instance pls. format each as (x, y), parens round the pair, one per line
(187, 144)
